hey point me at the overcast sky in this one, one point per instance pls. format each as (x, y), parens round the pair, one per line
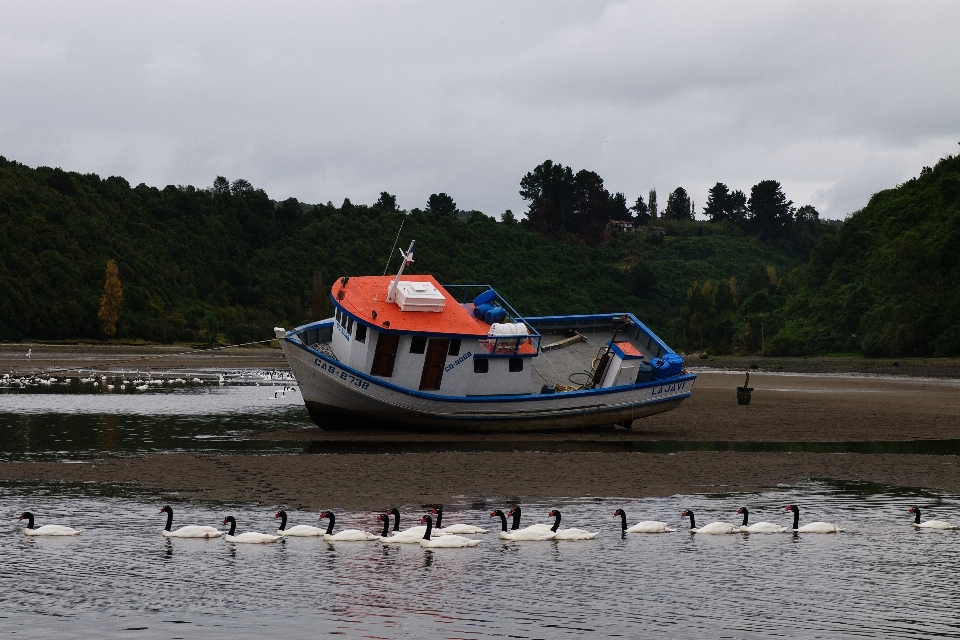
(327, 100)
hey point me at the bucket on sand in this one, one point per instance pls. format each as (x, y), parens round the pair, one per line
(743, 393)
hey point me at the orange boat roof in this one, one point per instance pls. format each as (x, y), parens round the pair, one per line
(358, 300)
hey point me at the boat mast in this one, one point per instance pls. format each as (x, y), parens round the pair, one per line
(407, 259)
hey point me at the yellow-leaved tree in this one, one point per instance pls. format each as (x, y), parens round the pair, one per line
(110, 302)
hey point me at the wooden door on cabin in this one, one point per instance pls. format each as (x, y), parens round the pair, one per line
(433, 364)
(385, 354)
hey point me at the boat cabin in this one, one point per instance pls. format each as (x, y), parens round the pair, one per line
(427, 340)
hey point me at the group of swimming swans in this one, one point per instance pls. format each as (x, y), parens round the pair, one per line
(432, 535)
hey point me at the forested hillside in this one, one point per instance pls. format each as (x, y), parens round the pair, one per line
(226, 263)
(888, 284)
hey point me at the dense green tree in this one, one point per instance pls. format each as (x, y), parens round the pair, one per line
(507, 217)
(641, 211)
(770, 211)
(652, 200)
(386, 202)
(678, 205)
(718, 203)
(442, 204)
(617, 207)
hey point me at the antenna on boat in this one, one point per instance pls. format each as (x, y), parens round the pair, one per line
(407, 259)
(390, 255)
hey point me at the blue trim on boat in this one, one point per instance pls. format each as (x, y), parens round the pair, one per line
(502, 398)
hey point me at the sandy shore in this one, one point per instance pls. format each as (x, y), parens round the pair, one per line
(372, 482)
(177, 359)
(785, 408)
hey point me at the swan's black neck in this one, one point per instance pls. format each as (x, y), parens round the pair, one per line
(396, 519)
(516, 518)
(333, 519)
(556, 522)
(439, 517)
(29, 517)
(233, 525)
(386, 526)
(623, 519)
(915, 520)
(746, 514)
(169, 518)
(503, 519)
(426, 536)
(283, 519)
(796, 517)
(693, 523)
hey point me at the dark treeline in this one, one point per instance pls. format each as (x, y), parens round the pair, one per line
(885, 284)
(225, 263)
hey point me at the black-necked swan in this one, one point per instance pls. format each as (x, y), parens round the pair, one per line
(250, 537)
(449, 541)
(714, 528)
(531, 534)
(189, 531)
(454, 528)
(515, 514)
(47, 529)
(930, 524)
(647, 526)
(813, 527)
(299, 531)
(413, 535)
(758, 527)
(347, 535)
(569, 534)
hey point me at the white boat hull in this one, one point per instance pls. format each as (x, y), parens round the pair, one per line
(341, 398)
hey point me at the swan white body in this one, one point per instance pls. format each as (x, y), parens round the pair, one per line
(413, 535)
(930, 524)
(935, 524)
(456, 529)
(646, 526)
(529, 534)
(813, 527)
(443, 542)
(52, 530)
(347, 535)
(251, 537)
(194, 531)
(757, 527)
(762, 527)
(569, 534)
(189, 531)
(712, 529)
(299, 531)
(448, 541)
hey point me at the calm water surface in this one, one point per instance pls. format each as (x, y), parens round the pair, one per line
(122, 579)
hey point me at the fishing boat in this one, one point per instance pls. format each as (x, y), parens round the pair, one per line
(406, 352)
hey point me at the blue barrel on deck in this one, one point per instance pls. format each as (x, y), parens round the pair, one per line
(644, 372)
(497, 314)
(674, 363)
(481, 310)
(485, 298)
(661, 369)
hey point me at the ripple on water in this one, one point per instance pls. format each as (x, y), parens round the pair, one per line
(878, 578)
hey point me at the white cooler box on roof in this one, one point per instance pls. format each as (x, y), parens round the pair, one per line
(419, 296)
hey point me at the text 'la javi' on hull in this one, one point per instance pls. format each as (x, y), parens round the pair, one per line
(407, 352)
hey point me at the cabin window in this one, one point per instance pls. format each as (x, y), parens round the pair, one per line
(349, 324)
(418, 344)
(454, 349)
(385, 354)
(336, 315)
(361, 333)
(481, 365)
(516, 364)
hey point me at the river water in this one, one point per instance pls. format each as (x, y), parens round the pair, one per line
(121, 578)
